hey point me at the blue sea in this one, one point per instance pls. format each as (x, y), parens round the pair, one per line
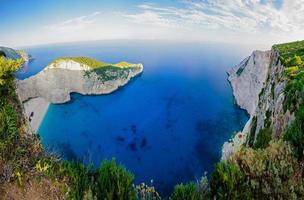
(168, 124)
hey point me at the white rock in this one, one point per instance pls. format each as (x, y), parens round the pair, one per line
(247, 79)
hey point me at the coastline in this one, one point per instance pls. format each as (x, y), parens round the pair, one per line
(35, 110)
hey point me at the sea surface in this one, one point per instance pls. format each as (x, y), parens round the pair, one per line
(168, 124)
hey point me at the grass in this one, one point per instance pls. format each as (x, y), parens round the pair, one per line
(93, 63)
(288, 50)
(291, 56)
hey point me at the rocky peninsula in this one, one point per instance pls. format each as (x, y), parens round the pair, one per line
(67, 75)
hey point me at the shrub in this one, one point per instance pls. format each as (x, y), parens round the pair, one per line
(227, 182)
(79, 179)
(271, 173)
(8, 132)
(263, 138)
(295, 133)
(146, 192)
(7, 68)
(186, 192)
(294, 93)
(112, 181)
(296, 60)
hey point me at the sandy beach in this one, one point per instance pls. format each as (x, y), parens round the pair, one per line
(35, 109)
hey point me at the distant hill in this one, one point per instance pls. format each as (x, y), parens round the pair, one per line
(10, 53)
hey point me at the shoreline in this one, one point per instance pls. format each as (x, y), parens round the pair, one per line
(35, 110)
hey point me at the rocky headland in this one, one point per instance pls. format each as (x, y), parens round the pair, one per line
(67, 75)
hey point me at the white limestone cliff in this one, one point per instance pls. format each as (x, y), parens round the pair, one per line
(247, 79)
(258, 87)
(56, 83)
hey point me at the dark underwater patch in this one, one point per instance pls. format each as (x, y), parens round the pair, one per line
(204, 126)
(84, 134)
(99, 147)
(168, 125)
(90, 143)
(132, 146)
(134, 129)
(120, 139)
(171, 119)
(143, 143)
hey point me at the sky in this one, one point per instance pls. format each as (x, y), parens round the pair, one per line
(33, 22)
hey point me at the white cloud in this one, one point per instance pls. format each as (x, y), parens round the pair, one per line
(234, 21)
(237, 16)
(150, 18)
(74, 24)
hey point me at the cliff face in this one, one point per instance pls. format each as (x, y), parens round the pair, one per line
(258, 84)
(55, 83)
(247, 79)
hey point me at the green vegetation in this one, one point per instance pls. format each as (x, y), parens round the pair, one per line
(227, 182)
(287, 51)
(251, 136)
(17, 152)
(93, 63)
(113, 182)
(111, 73)
(265, 135)
(263, 138)
(7, 68)
(295, 133)
(291, 56)
(109, 181)
(294, 92)
(270, 173)
(186, 192)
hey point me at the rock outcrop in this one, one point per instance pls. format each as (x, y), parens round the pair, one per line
(258, 84)
(57, 81)
(247, 79)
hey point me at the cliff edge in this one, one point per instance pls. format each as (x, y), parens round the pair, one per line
(247, 79)
(259, 84)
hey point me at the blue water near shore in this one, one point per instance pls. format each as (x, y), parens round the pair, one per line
(168, 124)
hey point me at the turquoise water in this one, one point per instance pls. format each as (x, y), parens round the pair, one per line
(168, 124)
